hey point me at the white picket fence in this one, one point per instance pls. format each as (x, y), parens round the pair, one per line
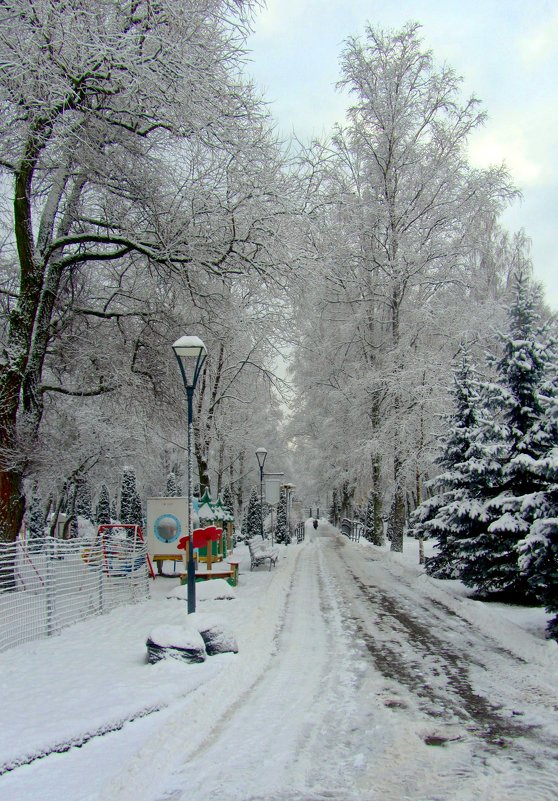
(49, 584)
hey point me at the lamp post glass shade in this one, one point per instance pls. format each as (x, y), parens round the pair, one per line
(190, 353)
(261, 453)
(189, 346)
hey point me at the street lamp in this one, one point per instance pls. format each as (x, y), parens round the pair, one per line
(261, 453)
(190, 354)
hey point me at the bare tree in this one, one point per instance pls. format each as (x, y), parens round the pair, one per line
(397, 214)
(120, 122)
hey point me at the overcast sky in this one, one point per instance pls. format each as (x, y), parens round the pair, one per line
(506, 51)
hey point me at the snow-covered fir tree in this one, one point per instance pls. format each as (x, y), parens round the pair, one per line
(130, 503)
(35, 523)
(372, 532)
(454, 513)
(282, 534)
(538, 560)
(102, 510)
(227, 499)
(83, 505)
(253, 515)
(172, 490)
(517, 397)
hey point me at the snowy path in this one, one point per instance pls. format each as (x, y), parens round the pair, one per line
(287, 733)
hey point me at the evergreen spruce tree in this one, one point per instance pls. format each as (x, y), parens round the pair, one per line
(282, 534)
(102, 511)
(172, 490)
(538, 559)
(522, 375)
(130, 503)
(227, 499)
(253, 515)
(538, 552)
(372, 532)
(83, 506)
(35, 521)
(454, 514)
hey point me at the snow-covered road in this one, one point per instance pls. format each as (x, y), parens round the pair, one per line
(358, 679)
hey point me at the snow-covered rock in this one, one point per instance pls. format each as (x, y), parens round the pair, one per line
(217, 636)
(180, 642)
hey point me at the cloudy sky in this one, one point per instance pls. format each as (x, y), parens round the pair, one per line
(506, 51)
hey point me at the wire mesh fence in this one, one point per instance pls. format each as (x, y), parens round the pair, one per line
(48, 584)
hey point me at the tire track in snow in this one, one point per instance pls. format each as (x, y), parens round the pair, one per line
(496, 756)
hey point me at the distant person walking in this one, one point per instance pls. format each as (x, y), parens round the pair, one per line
(311, 532)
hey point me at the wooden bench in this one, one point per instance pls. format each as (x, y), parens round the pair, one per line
(261, 552)
(228, 571)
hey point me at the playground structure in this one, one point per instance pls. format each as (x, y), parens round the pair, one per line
(116, 550)
(168, 539)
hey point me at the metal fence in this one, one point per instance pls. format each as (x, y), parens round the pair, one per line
(299, 532)
(353, 529)
(48, 584)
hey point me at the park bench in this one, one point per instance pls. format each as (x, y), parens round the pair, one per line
(261, 552)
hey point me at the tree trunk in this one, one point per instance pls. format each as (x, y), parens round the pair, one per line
(419, 501)
(397, 520)
(203, 471)
(220, 468)
(239, 486)
(378, 521)
(12, 507)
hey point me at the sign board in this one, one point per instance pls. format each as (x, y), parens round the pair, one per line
(273, 490)
(167, 522)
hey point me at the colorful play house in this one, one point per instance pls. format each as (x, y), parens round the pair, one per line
(213, 513)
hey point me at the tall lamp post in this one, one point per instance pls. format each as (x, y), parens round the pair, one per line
(190, 354)
(261, 453)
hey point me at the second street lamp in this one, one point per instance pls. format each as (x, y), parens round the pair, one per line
(261, 453)
(190, 354)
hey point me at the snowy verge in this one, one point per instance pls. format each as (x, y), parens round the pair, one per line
(518, 629)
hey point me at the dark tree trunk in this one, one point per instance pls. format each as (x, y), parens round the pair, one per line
(378, 521)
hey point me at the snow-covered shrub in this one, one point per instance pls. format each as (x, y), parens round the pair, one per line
(178, 642)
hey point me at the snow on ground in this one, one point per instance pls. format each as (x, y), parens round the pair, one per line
(357, 677)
